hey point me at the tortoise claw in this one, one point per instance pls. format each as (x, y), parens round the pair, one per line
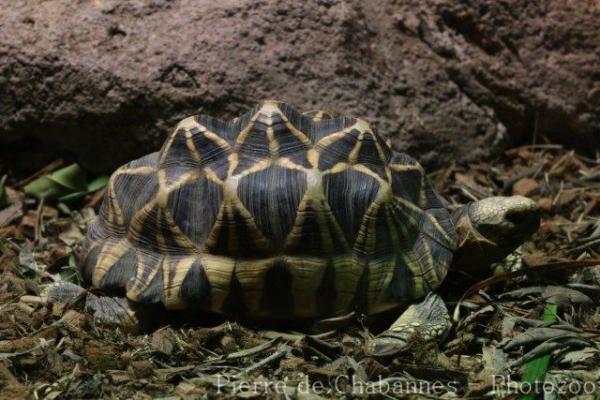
(387, 344)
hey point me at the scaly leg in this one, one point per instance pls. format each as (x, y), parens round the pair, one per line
(428, 320)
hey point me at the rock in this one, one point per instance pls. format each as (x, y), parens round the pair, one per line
(105, 81)
(525, 187)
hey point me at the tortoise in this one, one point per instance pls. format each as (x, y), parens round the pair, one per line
(282, 216)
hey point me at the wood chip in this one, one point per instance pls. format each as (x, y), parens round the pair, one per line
(525, 187)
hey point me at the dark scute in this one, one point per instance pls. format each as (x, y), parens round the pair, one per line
(422, 250)
(359, 302)
(442, 217)
(272, 196)
(326, 293)
(315, 130)
(235, 305)
(384, 245)
(402, 158)
(217, 126)
(340, 244)
(244, 162)
(133, 192)
(220, 167)
(368, 153)
(256, 143)
(153, 292)
(369, 156)
(407, 185)
(238, 124)
(431, 198)
(195, 287)
(406, 222)
(168, 235)
(150, 160)
(300, 158)
(208, 150)
(121, 271)
(178, 154)
(349, 194)
(301, 122)
(277, 295)
(287, 141)
(311, 241)
(147, 237)
(195, 207)
(311, 234)
(89, 264)
(401, 288)
(387, 152)
(244, 247)
(328, 126)
(442, 256)
(338, 151)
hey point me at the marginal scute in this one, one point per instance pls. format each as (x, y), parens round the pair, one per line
(407, 183)
(274, 214)
(120, 271)
(195, 288)
(276, 297)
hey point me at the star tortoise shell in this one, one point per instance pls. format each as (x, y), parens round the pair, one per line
(275, 214)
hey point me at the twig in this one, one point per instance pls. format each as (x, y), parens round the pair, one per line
(250, 352)
(38, 222)
(45, 170)
(273, 357)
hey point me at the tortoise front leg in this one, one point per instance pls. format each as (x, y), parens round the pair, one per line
(428, 320)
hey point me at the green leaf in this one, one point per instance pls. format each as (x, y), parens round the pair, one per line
(71, 177)
(64, 208)
(59, 183)
(535, 370)
(97, 183)
(66, 184)
(71, 196)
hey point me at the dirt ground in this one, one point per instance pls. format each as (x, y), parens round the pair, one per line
(506, 330)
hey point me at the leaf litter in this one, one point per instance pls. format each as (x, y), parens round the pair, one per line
(502, 328)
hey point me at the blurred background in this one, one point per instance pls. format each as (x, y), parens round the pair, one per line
(101, 82)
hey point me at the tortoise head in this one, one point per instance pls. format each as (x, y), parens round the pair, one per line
(490, 229)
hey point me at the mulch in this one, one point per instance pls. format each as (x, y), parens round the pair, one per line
(60, 352)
